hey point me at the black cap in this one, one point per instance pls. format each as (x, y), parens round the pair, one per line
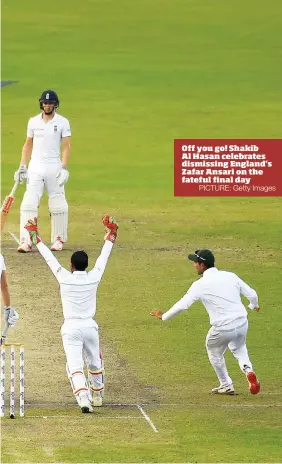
(203, 256)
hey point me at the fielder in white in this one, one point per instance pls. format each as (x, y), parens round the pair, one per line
(10, 314)
(220, 291)
(48, 134)
(80, 331)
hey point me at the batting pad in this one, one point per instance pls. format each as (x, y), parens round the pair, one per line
(59, 226)
(96, 380)
(77, 381)
(24, 218)
(59, 217)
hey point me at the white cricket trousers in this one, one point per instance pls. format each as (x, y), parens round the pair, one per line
(43, 176)
(83, 343)
(217, 342)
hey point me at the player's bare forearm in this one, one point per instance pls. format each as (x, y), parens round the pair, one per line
(5, 289)
(26, 151)
(66, 149)
(6, 297)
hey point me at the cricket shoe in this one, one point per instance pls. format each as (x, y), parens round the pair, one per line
(97, 399)
(84, 403)
(224, 390)
(58, 245)
(24, 247)
(254, 385)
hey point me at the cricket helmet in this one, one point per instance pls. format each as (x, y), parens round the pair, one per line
(49, 96)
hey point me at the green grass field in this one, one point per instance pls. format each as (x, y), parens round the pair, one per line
(131, 77)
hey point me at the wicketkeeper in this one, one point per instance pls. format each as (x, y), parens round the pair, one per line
(80, 331)
(220, 291)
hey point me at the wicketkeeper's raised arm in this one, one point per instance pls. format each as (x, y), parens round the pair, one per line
(50, 259)
(110, 237)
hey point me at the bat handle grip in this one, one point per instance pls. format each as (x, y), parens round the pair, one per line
(4, 333)
(14, 189)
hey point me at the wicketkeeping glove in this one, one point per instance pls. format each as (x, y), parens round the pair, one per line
(111, 228)
(21, 174)
(62, 176)
(32, 229)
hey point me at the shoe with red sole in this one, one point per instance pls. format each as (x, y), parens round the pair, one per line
(254, 384)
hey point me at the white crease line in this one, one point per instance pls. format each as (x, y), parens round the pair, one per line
(147, 418)
(57, 416)
(215, 405)
(51, 403)
(15, 238)
(157, 405)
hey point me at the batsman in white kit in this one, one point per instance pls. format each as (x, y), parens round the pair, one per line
(47, 146)
(220, 291)
(80, 331)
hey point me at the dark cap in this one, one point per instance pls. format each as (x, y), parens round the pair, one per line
(203, 256)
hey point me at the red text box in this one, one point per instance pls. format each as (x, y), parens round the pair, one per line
(227, 167)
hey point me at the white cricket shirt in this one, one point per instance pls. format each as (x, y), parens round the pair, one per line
(2, 264)
(78, 289)
(219, 291)
(47, 137)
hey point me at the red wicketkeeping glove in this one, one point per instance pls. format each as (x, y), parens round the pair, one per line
(111, 228)
(32, 229)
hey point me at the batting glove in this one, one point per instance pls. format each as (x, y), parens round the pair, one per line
(11, 316)
(21, 174)
(111, 228)
(7, 310)
(32, 229)
(62, 176)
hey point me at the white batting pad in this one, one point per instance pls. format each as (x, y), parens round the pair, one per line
(24, 218)
(96, 378)
(59, 226)
(78, 382)
(59, 217)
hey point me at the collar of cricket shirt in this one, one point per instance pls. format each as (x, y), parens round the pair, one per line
(54, 119)
(211, 270)
(79, 272)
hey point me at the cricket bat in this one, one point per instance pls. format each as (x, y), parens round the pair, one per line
(7, 204)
